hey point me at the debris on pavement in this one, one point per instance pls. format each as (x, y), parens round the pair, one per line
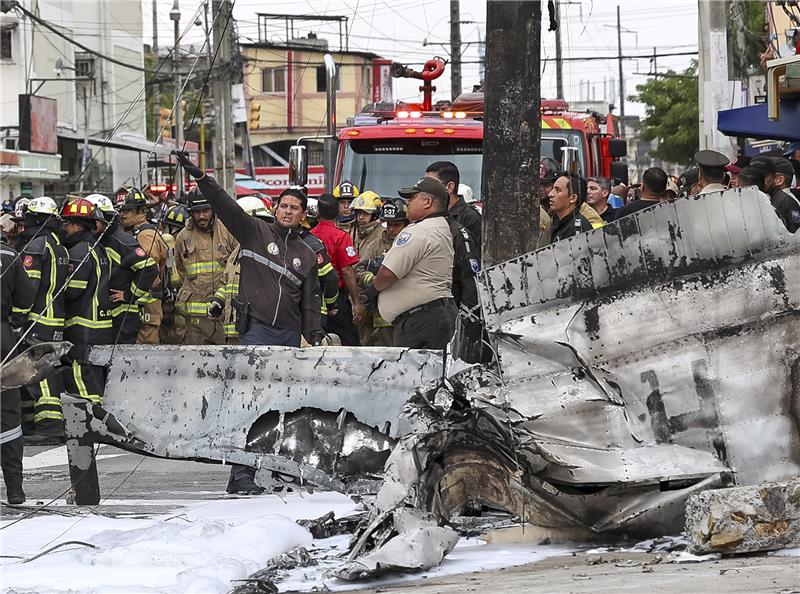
(745, 519)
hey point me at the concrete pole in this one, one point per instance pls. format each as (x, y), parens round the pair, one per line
(559, 60)
(156, 94)
(455, 49)
(621, 74)
(512, 129)
(223, 125)
(714, 85)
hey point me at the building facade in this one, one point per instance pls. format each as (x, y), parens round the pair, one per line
(285, 92)
(100, 103)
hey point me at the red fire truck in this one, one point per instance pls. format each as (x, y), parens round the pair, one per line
(388, 145)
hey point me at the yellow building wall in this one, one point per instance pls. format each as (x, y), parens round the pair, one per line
(268, 114)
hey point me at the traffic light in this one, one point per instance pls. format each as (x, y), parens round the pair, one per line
(165, 115)
(255, 115)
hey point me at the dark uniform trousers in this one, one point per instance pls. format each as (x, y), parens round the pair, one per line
(126, 325)
(429, 326)
(41, 407)
(85, 380)
(10, 417)
(341, 324)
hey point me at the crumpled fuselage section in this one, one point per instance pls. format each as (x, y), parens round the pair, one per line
(633, 365)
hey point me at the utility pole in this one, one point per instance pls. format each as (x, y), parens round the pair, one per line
(512, 129)
(713, 84)
(156, 94)
(175, 17)
(621, 75)
(559, 60)
(223, 125)
(455, 49)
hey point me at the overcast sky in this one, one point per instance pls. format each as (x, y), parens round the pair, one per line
(400, 30)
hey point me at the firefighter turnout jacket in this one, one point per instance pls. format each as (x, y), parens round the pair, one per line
(46, 261)
(149, 239)
(278, 279)
(86, 298)
(200, 259)
(133, 271)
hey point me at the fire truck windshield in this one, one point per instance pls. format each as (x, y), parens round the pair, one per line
(386, 164)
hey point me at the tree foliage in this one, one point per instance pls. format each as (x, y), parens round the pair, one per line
(747, 36)
(671, 114)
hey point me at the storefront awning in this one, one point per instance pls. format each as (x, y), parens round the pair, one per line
(752, 122)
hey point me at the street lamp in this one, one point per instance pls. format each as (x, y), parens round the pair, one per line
(175, 17)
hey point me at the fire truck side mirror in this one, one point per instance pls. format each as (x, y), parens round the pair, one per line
(298, 165)
(619, 172)
(618, 147)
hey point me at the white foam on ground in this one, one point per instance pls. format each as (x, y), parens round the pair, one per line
(200, 548)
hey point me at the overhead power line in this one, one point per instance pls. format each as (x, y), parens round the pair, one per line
(47, 25)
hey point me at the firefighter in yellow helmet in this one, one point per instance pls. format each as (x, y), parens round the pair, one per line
(375, 331)
(202, 249)
(345, 193)
(367, 228)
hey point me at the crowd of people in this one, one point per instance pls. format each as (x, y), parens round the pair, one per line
(350, 267)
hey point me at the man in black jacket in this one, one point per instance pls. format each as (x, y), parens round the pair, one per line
(569, 191)
(278, 285)
(17, 293)
(465, 214)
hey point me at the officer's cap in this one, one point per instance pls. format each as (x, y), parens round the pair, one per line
(709, 158)
(428, 185)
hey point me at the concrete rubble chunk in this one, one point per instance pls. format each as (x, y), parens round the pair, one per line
(744, 519)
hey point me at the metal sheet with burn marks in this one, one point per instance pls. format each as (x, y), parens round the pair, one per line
(249, 404)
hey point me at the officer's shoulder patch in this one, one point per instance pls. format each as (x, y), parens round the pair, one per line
(350, 251)
(297, 263)
(140, 252)
(403, 238)
(796, 216)
(320, 259)
(473, 263)
(27, 261)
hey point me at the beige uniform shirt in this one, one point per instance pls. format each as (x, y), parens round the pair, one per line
(421, 257)
(712, 188)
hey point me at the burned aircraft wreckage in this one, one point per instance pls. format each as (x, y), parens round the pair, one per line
(633, 365)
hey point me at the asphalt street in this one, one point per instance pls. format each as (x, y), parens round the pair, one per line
(137, 486)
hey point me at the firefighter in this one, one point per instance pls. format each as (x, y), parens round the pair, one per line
(46, 262)
(367, 228)
(133, 217)
(377, 331)
(202, 249)
(87, 301)
(16, 293)
(229, 289)
(173, 324)
(133, 272)
(345, 193)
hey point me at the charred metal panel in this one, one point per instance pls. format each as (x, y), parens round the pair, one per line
(201, 402)
(663, 243)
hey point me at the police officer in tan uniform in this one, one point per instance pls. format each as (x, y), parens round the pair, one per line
(413, 286)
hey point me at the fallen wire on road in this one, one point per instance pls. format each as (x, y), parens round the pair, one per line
(58, 546)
